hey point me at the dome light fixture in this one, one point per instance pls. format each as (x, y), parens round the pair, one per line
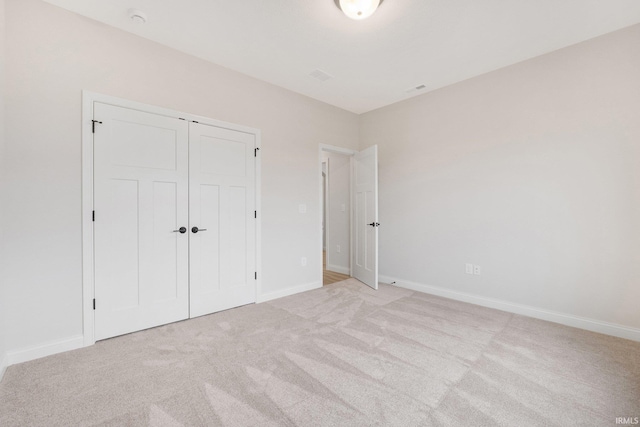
(358, 9)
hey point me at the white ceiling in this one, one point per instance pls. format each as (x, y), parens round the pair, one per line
(374, 62)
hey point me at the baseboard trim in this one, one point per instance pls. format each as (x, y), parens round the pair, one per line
(43, 350)
(338, 269)
(4, 364)
(588, 324)
(289, 291)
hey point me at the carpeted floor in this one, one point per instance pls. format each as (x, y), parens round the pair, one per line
(340, 355)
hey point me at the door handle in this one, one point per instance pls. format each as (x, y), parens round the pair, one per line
(196, 229)
(181, 230)
(374, 224)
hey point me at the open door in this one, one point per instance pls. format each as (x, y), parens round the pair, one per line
(365, 217)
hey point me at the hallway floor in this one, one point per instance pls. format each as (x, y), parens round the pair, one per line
(329, 277)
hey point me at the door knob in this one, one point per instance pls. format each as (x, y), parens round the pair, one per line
(196, 229)
(181, 230)
(374, 224)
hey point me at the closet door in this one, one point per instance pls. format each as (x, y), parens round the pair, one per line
(222, 222)
(141, 201)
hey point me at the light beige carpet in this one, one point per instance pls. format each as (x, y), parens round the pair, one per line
(340, 355)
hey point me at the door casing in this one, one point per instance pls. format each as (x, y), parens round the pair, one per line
(88, 100)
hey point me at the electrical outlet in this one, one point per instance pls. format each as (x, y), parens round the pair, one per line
(338, 248)
(303, 261)
(477, 270)
(468, 268)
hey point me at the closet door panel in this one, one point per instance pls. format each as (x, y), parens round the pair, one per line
(235, 256)
(222, 261)
(141, 168)
(205, 246)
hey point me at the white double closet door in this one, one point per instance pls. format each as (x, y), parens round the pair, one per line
(174, 226)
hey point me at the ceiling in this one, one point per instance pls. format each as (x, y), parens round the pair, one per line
(374, 62)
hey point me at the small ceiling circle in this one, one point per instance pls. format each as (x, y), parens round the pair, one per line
(137, 16)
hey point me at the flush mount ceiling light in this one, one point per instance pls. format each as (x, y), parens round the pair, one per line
(358, 9)
(137, 16)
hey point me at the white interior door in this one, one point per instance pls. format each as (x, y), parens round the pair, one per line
(365, 216)
(222, 207)
(140, 199)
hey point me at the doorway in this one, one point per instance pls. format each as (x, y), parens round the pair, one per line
(336, 213)
(349, 203)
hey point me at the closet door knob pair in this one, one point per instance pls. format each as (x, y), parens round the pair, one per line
(194, 230)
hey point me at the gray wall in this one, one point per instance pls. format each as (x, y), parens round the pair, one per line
(3, 296)
(531, 172)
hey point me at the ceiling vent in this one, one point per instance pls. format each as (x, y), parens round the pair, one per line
(321, 75)
(414, 89)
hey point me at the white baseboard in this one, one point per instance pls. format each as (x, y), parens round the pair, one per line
(4, 364)
(593, 325)
(289, 291)
(46, 349)
(338, 269)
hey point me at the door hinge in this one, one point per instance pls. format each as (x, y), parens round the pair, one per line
(93, 216)
(93, 125)
(255, 151)
(94, 303)
(256, 275)
(255, 214)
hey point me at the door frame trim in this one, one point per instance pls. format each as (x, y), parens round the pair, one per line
(88, 100)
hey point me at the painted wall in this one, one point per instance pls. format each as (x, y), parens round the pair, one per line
(3, 297)
(338, 213)
(52, 56)
(530, 172)
(324, 171)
